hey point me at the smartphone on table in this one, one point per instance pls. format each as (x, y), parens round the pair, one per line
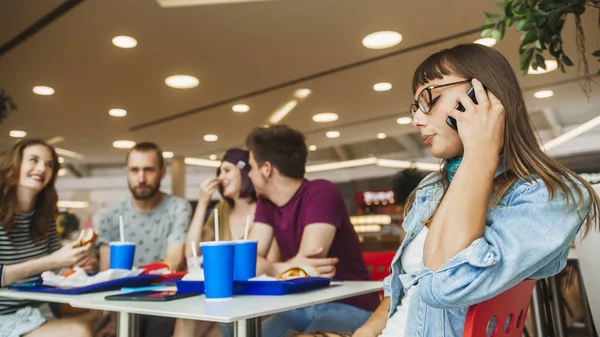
(153, 296)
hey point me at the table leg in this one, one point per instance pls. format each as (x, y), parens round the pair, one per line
(587, 317)
(127, 324)
(557, 307)
(537, 310)
(248, 328)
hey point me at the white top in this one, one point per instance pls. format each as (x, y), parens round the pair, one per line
(238, 308)
(411, 259)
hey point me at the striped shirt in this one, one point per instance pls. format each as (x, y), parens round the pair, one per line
(18, 247)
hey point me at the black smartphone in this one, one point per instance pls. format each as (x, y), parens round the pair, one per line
(153, 296)
(451, 121)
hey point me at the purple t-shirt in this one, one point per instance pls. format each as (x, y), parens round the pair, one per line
(319, 201)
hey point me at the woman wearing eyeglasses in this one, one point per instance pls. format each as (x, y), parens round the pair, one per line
(499, 211)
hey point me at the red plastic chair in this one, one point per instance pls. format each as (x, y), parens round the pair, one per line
(511, 304)
(379, 264)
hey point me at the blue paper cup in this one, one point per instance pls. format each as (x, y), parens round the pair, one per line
(218, 269)
(121, 255)
(244, 264)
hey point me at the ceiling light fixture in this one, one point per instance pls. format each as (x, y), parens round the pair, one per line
(68, 153)
(61, 160)
(213, 157)
(551, 65)
(211, 138)
(124, 41)
(312, 147)
(182, 81)
(72, 204)
(61, 172)
(592, 123)
(404, 120)
(332, 134)
(382, 40)
(240, 108)
(17, 133)
(302, 93)
(486, 41)
(279, 114)
(325, 117)
(381, 135)
(201, 162)
(341, 165)
(383, 86)
(123, 144)
(543, 94)
(43, 90)
(168, 154)
(117, 112)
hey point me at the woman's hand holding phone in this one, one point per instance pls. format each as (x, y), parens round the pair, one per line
(481, 124)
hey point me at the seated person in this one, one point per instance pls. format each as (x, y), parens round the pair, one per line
(30, 244)
(310, 222)
(501, 211)
(239, 202)
(155, 221)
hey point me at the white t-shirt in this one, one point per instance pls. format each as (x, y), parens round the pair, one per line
(411, 260)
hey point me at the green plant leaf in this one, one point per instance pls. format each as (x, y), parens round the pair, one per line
(486, 33)
(561, 66)
(501, 5)
(496, 35)
(529, 37)
(567, 61)
(541, 62)
(519, 14)
(491, 15)
(597, 52)
(526, 58)
(521, 25)
(510, 21)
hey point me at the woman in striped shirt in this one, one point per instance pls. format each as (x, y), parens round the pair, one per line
(29, 244)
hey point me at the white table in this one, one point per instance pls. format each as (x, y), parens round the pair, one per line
(240, 309)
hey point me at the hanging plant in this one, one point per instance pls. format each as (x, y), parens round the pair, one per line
(540, 23)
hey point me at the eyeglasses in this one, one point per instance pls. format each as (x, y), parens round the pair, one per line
(424, 100)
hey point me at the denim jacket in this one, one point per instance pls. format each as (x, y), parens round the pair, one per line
(527, 235)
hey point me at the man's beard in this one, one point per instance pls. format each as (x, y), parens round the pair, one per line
(149, 193)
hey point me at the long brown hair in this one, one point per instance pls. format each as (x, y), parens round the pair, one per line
(523, 155)
(45, 202)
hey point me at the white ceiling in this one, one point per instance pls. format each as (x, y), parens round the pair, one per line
(241, 48)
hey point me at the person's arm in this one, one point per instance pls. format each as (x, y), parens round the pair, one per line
(174, 255)
(377, 322)
(263, 234)
(104, 257)
(274, 255)
(197, 230)
(108, 231)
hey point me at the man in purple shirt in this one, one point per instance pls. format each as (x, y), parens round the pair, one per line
(310, 221)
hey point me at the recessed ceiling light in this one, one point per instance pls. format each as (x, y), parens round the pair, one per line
(382, 40)
(383, 86)
(543, 94)
(182, 81)
(168, 154)
(241, 108)
(551, 65)
(61, 160)
(381, 135)
(325, 117)
(62, 172)
(123, 144)
(17, 134)
(302, 93)
(332, 134)
(404, 120)
(486, 41)
(43, 90)
(124, 41)
(213, 157)
(117, 112)
(312, 147)
(211, 138)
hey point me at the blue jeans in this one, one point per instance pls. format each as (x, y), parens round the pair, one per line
(326, 317)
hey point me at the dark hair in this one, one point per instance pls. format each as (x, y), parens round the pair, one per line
(66, 223)
(522, 151)
(239, 158)
(45, 202)
(147, 147)
(280, 145)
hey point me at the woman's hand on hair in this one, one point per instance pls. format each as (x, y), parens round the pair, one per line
(207, 188)
(70, 255)
(481, 126)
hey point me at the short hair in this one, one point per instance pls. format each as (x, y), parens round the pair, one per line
(147, 147)
(282, 146)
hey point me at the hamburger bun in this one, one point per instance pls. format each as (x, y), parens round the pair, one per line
(292, 273)
(87, 236)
